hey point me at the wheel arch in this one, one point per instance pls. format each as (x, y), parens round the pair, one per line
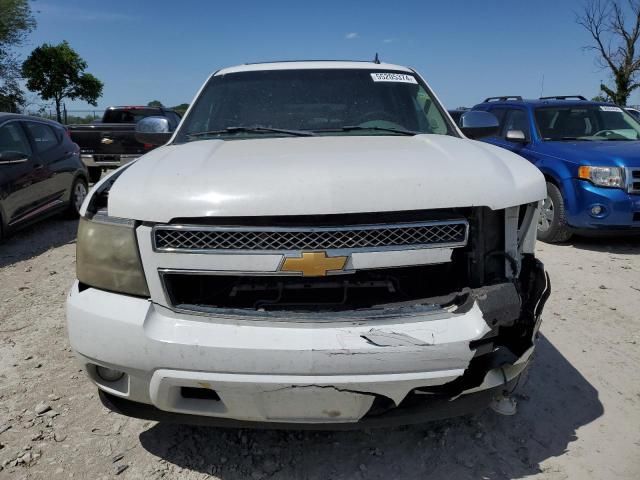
(68, 192)
(567, 189)
(82, 174)
(551, 177)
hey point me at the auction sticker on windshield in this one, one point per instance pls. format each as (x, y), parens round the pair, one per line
(604, 108)
(393, 77)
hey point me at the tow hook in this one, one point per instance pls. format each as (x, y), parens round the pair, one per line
(504, 404)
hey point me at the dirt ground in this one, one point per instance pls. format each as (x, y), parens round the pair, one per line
(578, 414)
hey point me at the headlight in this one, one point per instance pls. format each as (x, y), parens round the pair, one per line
(107, 256)
(603, 176)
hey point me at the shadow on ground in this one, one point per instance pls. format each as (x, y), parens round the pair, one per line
(37, 239)
(554, 402)
(607, 244)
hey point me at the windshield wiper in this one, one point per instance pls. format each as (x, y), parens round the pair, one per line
(348, 128)
(589, 139)
(625, 139)
(254, 129)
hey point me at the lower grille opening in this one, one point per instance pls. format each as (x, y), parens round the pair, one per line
(363, 289)
(199, 393)
(636, 217)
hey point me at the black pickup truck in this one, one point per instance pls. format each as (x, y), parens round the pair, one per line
(111, 142)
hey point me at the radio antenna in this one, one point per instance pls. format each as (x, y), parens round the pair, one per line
(376, 59)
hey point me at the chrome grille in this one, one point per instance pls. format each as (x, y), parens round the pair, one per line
(633, 180)
(191, 238)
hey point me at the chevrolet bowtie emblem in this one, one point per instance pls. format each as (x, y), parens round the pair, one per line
(106, 141)
(313, 264)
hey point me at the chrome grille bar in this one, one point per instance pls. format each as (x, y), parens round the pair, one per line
(203, 239)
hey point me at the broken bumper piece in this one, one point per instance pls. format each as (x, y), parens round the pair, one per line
(416, 409)
(431, 360)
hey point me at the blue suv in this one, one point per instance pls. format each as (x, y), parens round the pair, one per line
(589, 152)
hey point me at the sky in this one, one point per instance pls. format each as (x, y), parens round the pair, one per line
(164, 50)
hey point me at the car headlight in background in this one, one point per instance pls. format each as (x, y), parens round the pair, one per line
(603, 176)
(107, 256)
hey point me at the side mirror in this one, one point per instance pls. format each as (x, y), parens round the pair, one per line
(516, 136)
(153, 130)
(478, 124)
(11, 156)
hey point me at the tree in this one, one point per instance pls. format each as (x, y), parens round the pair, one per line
(57, 72)
(181, 108)
(11, 96)
(16, 22)
(614, 41)
(178, 108)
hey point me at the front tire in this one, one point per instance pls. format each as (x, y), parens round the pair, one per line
(79, 190)
(552, 225)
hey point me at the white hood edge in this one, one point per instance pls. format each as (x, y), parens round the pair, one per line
(321, 176)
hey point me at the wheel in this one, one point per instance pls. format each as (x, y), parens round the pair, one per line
(79, 192)
(94, 174)
(552, 225)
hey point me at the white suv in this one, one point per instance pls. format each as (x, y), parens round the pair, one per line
(316, 243)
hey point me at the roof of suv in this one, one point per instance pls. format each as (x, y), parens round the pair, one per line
(312, 64)
(543, 101)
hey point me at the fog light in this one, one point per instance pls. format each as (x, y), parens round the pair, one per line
(109, 374)
(596, 210)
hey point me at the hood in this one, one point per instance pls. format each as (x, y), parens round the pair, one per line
(606, 153)
(321, 175)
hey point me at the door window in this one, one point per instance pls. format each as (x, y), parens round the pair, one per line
(499, 113)
(13, 139)
(516, 119)
(43, 136)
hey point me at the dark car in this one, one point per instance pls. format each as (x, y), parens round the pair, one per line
(112, 142)
(41, 173)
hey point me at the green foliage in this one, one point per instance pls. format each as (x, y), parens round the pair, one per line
(181, 109)
(16, 22)
(11, 96)
(57, 72)
(76, 119)
(178, 108)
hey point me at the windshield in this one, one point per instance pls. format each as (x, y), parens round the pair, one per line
(321, 102)
(592, 122)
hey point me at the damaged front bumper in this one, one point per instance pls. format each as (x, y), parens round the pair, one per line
(433, 359)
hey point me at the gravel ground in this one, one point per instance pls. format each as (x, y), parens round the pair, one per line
(578, 414)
